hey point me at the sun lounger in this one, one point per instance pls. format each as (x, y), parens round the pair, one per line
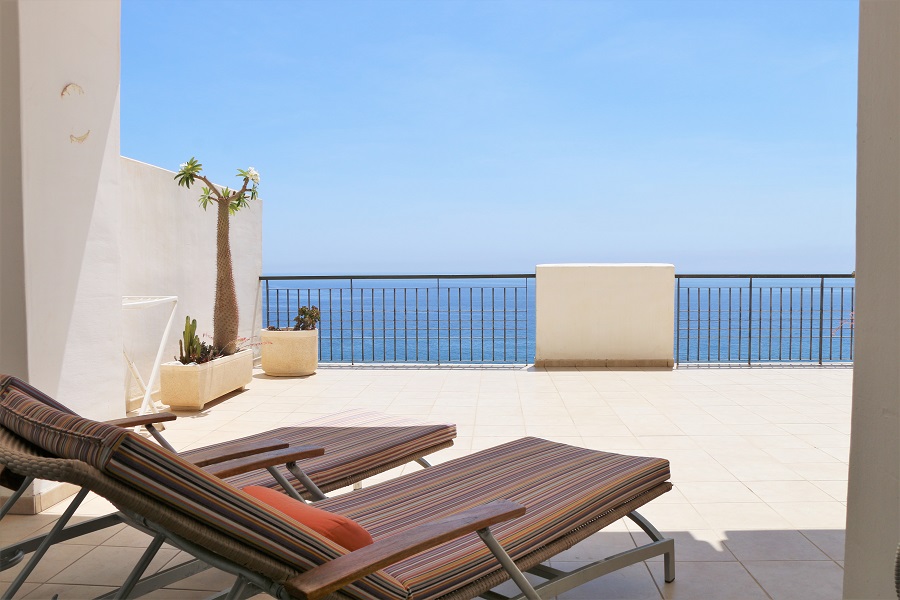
(527, 501)
(359, 444)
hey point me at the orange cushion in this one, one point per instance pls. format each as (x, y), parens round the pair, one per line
(343, 530)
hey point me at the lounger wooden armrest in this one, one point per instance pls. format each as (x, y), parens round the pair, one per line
(261, 461)
(141, 420)
(215, 455)
(335, 574)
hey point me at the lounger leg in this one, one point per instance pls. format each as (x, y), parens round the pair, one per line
(45, 545)
(237, 589)
(508, 564)
(7, 506)
(8, 560)
(11, 555)
(285, 484)
(656, 536)
(140, 567)
(423, 462)
(311, 487)
(159, 438)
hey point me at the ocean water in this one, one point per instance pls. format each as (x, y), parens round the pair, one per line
(492, 320)
(772, 320)
(422, 321)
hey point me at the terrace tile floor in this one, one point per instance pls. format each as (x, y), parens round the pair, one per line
(759, 461)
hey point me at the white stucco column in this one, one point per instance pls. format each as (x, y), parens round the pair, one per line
(604, 315)
(69, 69)
(13, 330)
(873, 503)
(61, 299)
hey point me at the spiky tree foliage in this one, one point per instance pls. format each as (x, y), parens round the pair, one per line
(228, 202)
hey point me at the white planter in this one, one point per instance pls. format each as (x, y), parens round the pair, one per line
(192, 386)
(290, 353)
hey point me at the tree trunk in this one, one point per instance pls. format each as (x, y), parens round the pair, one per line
(225, 311)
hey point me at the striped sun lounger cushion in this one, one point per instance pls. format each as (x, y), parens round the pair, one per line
(358, 444)
(9, 382)
(562, 487)
(60, 433)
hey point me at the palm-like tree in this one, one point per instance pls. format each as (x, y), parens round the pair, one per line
(228, 202)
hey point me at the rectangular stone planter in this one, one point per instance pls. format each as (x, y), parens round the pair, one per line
(190, 387)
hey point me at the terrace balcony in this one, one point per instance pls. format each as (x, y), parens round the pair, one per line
(759, 461)
(760, 456)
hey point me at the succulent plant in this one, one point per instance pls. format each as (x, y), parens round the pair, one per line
(307, 317)
(228, 202)
(191, 349)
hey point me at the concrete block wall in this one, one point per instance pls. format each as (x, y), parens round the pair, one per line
(604, 315)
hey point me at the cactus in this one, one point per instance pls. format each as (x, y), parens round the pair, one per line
(307, 317)
(190, 348)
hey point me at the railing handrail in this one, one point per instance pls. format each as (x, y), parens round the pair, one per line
(532, 275)
(419, 276)
(767, 276)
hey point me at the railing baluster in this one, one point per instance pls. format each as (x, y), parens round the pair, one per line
(677, 320)
(719, 328)
(770, 325)
(750, 324)
(688, 325)
(459, 321)
(516, 323)
(504, 324)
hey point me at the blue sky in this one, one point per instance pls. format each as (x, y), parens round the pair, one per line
(488, 136)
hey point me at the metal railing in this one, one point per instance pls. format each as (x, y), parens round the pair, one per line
(756, 319)
(481, 319)
(438, 319)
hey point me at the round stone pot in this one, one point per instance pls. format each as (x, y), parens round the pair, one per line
(289, 353)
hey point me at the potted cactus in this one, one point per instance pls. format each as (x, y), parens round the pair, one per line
(200, 373)
(238, 364)
(292, 352)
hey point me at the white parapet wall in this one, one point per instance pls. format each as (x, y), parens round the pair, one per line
(168, 248)
(604, 315)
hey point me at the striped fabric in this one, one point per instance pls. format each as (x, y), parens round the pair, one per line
(358, 444)
(8, 382)
(61, 433)
(168, 478)
(562, 487)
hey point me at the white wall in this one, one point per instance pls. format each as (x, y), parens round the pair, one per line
(70, 200)
(80, 226)
(60, 306)
(604, 315)
(873, 503)
(168, 248)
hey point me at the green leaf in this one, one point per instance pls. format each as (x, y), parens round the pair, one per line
(187, 171)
